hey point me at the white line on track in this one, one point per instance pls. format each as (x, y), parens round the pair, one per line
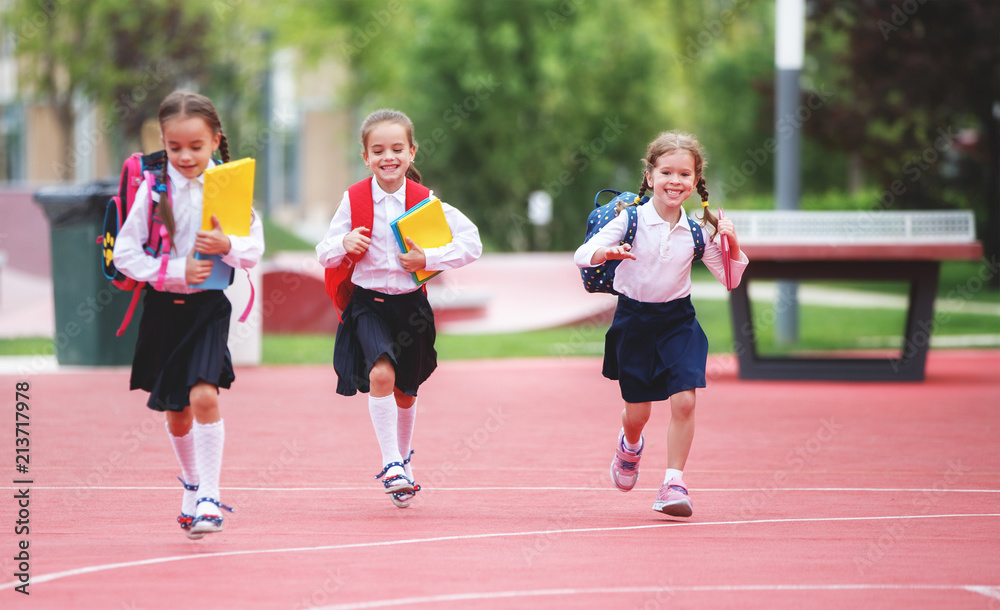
(360, 545)
(526, 488)
(659, 591)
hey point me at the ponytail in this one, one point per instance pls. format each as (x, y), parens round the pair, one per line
(413, 174)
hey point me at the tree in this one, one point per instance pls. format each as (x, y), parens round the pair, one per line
(922, 83)
(126, 56)
(517, 96)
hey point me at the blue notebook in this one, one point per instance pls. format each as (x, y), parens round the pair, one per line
(221, 276)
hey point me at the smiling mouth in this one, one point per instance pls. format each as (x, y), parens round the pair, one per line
(389, 168)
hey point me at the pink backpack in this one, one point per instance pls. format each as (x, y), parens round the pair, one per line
(135, 169)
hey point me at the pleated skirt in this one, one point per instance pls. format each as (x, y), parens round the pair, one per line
(182, 340)
(399, 327)
(655, 350)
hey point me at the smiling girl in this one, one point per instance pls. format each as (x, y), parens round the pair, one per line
(655, 347)
(385, 342)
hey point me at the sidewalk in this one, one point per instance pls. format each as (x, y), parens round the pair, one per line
(511, 292)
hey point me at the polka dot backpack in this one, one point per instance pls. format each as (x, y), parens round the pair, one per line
(602, 277)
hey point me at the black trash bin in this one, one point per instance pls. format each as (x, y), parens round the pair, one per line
(88, 307)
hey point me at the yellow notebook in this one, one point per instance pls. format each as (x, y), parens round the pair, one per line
(426, 225)
(228, 194)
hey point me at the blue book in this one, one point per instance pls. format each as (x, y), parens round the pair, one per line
(221, 276)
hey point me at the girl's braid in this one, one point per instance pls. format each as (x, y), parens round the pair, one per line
(165, 206)
(224, 148)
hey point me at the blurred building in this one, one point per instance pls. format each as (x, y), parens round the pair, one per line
(307, 151)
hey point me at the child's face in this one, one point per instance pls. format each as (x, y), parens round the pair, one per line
(190, 143)
(389, 155)
(672, 179)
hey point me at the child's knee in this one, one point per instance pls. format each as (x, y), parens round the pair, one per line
(204, 400)
(682, 404)
(382, 375)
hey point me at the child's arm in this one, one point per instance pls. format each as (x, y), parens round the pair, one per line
(465, 246)
(130, 255)
(334, 246)
(604, 245)
(239, 252)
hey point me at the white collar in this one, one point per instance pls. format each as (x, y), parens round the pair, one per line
(652, 217)
(179, 180)
(378, 194)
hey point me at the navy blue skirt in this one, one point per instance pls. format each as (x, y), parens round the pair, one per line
(399, 327)
(182, 340)
(655, 350)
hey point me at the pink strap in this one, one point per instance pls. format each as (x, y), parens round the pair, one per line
(727, 263)
(131, 309)
(164, 258)
(246, 312)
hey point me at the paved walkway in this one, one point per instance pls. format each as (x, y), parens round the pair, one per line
(517, 292)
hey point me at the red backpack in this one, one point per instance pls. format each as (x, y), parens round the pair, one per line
(135, 169)
(338, 279)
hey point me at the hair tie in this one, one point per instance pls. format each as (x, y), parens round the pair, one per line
(704, 204)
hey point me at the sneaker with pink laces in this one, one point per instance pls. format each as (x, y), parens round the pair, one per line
(673, 499)
(625, 466)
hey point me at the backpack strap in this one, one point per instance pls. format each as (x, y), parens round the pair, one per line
(632, 213)
(338, 280)
(698, 237)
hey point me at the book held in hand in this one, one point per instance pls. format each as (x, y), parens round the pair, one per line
(426, 225)
(228, 195)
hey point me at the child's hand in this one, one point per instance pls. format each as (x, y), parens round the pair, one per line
(357, 241)
(214, 241)
(613, 254)
(415, 259)
(727, 228)
(197, 270)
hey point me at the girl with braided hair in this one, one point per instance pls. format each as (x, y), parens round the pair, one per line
(181, 354)
(655, 347)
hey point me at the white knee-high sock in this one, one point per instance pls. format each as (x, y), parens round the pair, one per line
(404, 432)
(383, 413)
(208, 442)
(184, 450)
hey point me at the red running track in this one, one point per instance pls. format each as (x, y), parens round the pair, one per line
(806, 494)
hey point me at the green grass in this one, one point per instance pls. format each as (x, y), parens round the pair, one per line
(279, 239)
(821, 328)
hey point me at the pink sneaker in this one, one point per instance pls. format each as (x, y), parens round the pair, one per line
(625, 466)
(673, 499)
